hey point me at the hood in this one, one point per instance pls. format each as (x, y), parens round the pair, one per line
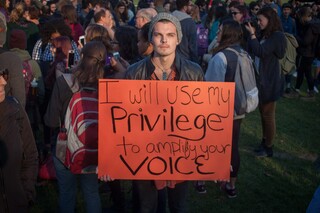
(23, 54)
(292, 40)
(180, 15)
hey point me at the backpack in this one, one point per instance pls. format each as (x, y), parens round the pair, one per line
(202, 39)
(246, 92)
(288, 62)
(81, 129)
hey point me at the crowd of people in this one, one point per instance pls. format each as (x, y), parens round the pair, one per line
(41, 42)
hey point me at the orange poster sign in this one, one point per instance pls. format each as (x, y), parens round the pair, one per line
(165, 130)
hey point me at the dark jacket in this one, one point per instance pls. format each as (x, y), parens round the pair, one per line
(188, 46)
(186, 70)
(271, 79)
(307, 38)
(58, 104)
(18, 176)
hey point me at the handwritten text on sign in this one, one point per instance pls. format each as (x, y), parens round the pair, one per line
(165, 130)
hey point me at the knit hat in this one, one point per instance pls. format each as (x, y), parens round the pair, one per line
(168, 17)
(18, 39)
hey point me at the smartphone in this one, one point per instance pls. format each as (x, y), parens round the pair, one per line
(82, 40)
(70, 63)
(108, 60)
(116, 55)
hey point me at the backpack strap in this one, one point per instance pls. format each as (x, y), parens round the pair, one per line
(69, 78)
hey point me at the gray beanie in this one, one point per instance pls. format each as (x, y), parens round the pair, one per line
(168, 17)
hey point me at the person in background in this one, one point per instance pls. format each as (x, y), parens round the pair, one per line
(268, 50)
(289, 26)
(15, 84)
(60, 49)
(188, 45)
(125, 42)
(121, 12)
(168, 65)
(145, 48)
(18, 21)
(4, 6)
(222, 68)
(308, 31)
(104, 18)
(69, 14)
(18, 45)
(19, 168)
(144, 16)
(253, 9)
(33, 15)
(87, 73)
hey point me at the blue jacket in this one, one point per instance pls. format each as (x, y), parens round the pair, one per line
(289, 25)
(188, 46)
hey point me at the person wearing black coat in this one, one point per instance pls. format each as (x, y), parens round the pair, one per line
(18, 154)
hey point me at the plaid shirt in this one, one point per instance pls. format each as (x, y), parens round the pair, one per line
(46, 55)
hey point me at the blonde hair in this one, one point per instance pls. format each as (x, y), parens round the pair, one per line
(17, 12)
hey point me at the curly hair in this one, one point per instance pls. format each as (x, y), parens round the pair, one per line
(128, 38)
(91, 66)
(54, 26)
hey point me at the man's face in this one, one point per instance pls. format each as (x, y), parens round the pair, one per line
(164, 38)
(286, 12)
(107, 19)
(140, 21)
(189, 8)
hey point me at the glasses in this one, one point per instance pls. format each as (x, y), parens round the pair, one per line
(5, 74)
(234, 13)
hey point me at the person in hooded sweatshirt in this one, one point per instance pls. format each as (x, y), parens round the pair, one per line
(188, 45)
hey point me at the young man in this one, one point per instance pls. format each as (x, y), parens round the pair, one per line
(164, 64)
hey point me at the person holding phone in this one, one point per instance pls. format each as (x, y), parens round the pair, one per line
(62, 63)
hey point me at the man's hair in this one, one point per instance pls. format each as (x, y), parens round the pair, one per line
(99, 14)
(3, 29)
(181, 3)
(147, 13)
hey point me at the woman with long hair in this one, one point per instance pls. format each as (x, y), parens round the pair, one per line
(121, 12)
(86, 74)
(18, 21)
(69, 14)
(222, 67)
(268, 49)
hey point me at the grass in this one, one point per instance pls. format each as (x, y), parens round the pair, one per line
(284, 183)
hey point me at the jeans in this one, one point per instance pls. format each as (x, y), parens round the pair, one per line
(67, 182)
